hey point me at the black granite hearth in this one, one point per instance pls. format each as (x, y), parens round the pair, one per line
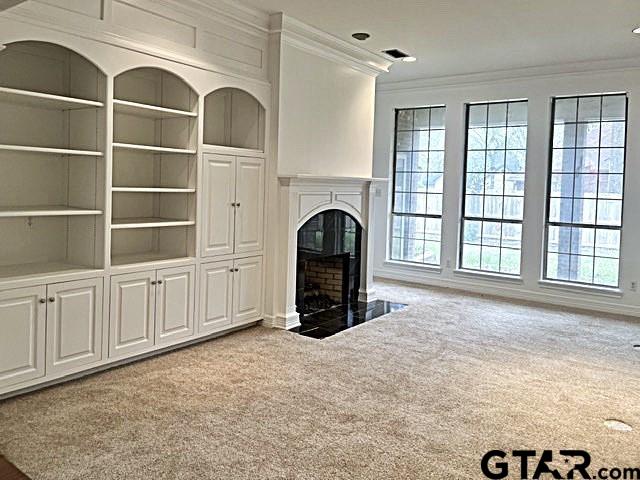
(329, 322)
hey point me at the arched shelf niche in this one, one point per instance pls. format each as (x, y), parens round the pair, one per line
(234, 118)
(154, 167)
(52, 167)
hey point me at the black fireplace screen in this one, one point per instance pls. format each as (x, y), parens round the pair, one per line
(328, 261)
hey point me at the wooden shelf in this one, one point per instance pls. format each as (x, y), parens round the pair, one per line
(152, 148)
(45, 100)
(149, 111)
(27, 270)
(146, 257)
(54, 151)
(152, 190)
(148, 222)
(45, 211)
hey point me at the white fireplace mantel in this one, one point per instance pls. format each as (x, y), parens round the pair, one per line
(301, 197)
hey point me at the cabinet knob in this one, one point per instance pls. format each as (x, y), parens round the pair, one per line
(231, 270)
(42, 300)
(159, 282)
(52, 299)
(237, 204)
(236, 269)
(153, 282)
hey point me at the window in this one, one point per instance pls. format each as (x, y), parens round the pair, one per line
(493, 204)
(584, 200)
(418, 176)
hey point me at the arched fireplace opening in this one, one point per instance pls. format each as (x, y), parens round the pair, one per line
(328, 262)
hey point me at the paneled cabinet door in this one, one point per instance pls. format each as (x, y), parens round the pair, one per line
(249, 205)
(22, 335)
(219, 204)
(247, 290)
(216, 287)
(74, 324)
(174, 303)
(132, 322)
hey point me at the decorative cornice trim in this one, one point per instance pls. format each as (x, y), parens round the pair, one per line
(317, 42)
(549, 71)
(251, 18)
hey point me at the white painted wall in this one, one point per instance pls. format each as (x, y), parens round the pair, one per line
(326, 116)
(538, 90)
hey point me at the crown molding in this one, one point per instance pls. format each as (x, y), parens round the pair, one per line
(540, 72)
(252, 19)
(308, 38)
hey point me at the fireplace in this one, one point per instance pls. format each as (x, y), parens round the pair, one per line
(328, 262)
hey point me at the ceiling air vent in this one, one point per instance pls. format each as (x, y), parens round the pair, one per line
(395, 53)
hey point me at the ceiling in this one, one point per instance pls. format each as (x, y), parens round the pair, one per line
(454, 37)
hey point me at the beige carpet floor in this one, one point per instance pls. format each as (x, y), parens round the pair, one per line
(421, 393)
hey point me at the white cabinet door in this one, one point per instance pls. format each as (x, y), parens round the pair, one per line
(219, 201)
(247, 290)
(131, 324)
(250, 205)
(22, 335)
(216, 287)
(74, 324)
(174, 304)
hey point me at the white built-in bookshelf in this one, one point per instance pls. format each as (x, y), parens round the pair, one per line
(52, 165)
(98, 193)
(154, 167)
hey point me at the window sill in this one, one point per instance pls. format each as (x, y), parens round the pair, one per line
(488, 276)
(413, 266)
(571, 287)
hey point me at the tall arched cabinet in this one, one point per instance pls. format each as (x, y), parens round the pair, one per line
(131, 209)
(233, 210)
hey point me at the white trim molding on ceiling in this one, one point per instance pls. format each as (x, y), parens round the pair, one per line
(318, 42)
(455, 81)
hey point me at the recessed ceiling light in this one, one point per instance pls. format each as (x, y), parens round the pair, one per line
(636, 30)
(409, 59)
(362, 36)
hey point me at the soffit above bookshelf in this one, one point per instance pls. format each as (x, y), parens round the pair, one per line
(213, 35)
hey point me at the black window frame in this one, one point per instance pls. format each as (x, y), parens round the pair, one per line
(393, 185)
(595, 226)
(483, 219)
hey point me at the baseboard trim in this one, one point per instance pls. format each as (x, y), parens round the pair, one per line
(286, 321)
(367, 296)
(582, 301)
